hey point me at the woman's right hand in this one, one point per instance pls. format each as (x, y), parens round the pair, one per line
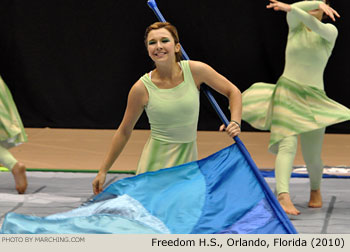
(233, 129)
(279, 6)
(97, 184)
(329, 11)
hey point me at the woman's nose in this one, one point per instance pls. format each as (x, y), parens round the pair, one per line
(159, 45)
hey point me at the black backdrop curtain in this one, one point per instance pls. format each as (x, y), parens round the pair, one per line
(71, 63)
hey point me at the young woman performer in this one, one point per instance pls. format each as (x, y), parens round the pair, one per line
(297, 104)
(170, 96)
(11, 134)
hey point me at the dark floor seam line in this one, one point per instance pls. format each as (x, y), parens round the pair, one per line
(328, 215)
(13, 209)
(111, 181)
(20, 204)
(39, 189)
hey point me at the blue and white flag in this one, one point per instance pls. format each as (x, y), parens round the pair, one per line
(218, 194)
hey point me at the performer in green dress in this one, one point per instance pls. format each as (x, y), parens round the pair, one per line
(297, 105)
(170, 96)
(11, 134)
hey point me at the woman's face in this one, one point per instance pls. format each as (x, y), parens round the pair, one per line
(317, 13)
(161, 46)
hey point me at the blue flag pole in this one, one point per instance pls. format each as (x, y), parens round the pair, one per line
(270, 196)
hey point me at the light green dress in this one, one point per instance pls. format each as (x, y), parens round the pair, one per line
(297, 103)
(173, 116)
(11, 127)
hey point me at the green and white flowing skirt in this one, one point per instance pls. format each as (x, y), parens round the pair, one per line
(11, 127)
(289, 108)
(157, 155)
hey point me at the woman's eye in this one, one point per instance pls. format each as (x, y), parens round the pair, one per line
(151, 42)
(165, 40)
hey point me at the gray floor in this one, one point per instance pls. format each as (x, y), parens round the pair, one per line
(53, 192)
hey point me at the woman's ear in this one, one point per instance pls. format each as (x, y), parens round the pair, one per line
(177, 47)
